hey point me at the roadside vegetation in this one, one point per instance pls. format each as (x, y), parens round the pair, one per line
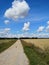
(6, 43)
(36, 55)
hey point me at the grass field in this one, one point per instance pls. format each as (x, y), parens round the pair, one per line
(34, 51)
(6, 43)
(42, 43)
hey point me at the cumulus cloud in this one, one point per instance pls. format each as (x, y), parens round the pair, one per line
(11, 35)
(40, 35)
(26, 26)
(6, 29)
(4, 32)
(26, 34)
(47, 22)
(6, 21)
(43, 35)
(47, 28)
(20, 35)
(19, 9)
(40, 29)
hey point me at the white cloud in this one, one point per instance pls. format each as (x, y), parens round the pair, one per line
(4, 32)
(7, 29)
(26, 34)
(43, 35)
(20, 35)
(26, 26)
(19, 9)
(47, 22)
(40, 29)
(47, 28)
(40, 35)
(11, 35)
(6, 21)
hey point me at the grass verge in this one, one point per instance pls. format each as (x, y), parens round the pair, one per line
(35, 55)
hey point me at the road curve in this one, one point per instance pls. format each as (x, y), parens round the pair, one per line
(14, 55)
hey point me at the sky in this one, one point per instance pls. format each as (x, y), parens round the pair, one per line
(24, 18)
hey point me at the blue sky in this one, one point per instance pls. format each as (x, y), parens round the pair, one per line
(33, 18)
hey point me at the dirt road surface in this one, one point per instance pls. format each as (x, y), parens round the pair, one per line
(14, 55)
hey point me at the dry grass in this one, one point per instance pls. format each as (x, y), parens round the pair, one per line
(4, 40)
(37, 51)
(6, 43)
(41, 43)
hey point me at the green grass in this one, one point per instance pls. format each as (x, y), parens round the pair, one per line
(6, 43)
(35, 56)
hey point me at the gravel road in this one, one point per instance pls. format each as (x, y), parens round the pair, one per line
(14, 55)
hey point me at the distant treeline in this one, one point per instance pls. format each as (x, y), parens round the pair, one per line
(28, 38)
(32, 38)
(8, 38)
(25, 38)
